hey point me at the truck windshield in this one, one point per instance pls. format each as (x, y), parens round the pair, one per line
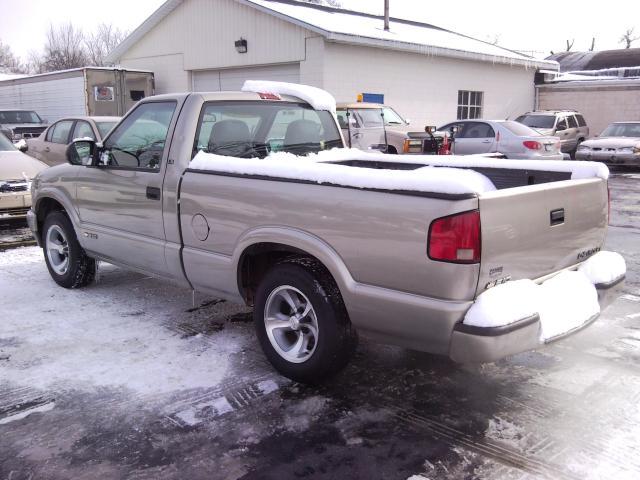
(537, 121)
(254, 129)
(5, 144)
(19, 116)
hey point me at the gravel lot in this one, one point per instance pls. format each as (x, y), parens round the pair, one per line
(126, 379)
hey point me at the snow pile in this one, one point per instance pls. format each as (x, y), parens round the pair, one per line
(564, 302)
(604, 267)
(316, 97)
(315, 168)
(505, 304)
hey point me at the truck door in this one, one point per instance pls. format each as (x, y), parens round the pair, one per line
(366, 129)
(120, 201)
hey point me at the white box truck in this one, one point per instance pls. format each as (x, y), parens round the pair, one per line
(92, 91)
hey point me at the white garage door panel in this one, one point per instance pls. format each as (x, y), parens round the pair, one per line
(233, 78)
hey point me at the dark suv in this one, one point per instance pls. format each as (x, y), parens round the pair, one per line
(568, 125)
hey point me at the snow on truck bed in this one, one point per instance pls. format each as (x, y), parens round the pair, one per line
(440, 174)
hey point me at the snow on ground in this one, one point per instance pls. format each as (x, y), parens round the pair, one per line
(107, 335)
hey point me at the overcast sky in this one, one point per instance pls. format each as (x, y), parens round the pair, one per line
(517, 25)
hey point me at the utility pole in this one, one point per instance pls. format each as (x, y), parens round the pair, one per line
(386, 15)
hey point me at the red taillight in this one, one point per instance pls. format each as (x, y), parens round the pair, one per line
(532, 145)
(455, 238)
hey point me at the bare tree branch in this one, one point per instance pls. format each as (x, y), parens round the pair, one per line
(100, 43)
(593, 44)
(9, 63)
(64, 49)
(627, 38)
(570, 45)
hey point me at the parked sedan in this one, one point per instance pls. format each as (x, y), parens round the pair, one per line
(618, 144)
(51, 145)
(507, 137)
(16, 172)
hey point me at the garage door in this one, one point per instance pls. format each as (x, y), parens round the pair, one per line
(233, 78)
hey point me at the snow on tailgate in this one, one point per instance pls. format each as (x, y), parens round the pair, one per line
(447, 179)
(563, 302)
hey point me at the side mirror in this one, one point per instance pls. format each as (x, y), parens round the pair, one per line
(22, 145)
(560, 127)
(454, 130)
(408, 121)
(430, 128)
(81, 152)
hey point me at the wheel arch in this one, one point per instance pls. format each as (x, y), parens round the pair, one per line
(44, 206)
(262, 249)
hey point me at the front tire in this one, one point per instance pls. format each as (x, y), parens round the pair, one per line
(66, 260)
(301, 321)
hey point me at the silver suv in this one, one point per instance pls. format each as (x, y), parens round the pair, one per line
(568, 125)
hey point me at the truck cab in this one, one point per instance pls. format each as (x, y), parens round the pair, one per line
(377, 127)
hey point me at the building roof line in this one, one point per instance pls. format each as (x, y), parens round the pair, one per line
(341, 37)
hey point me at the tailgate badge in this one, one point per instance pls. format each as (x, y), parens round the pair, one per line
(497, 282)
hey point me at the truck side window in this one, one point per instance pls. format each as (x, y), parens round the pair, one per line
(139, 141)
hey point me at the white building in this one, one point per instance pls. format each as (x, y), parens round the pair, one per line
(428, 74)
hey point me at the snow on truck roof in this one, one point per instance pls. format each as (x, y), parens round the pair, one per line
(450, 175)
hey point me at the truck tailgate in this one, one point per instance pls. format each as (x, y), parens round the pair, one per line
(533, 231)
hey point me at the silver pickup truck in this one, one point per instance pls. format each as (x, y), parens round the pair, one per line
(319, 260)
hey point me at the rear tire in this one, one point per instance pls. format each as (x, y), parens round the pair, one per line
(66, 260)
(301, 321)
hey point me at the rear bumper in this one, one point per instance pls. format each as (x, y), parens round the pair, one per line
(470, 344)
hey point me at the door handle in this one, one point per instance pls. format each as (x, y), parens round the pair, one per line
(487, 141)
(153, 193)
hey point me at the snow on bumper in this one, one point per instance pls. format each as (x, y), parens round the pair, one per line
(522, 315)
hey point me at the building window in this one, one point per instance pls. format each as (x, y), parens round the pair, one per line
(469, 104)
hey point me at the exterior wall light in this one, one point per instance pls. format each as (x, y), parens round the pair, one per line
(241, 45)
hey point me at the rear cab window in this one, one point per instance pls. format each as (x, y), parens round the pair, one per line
(248, 129)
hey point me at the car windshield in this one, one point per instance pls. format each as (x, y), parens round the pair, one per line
(19, 116)
(255, 129)
(104, 127)
(519, 129)
(537, 121)
(5, 144)
(622, 130)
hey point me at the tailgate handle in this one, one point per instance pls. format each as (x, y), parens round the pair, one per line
(556, 216)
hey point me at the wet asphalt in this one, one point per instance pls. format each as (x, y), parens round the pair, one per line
(568, 411)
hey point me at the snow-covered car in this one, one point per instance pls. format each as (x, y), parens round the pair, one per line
(618, 144)
(16, 172)
(50, 147)
(248, 196)
(509, 138)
